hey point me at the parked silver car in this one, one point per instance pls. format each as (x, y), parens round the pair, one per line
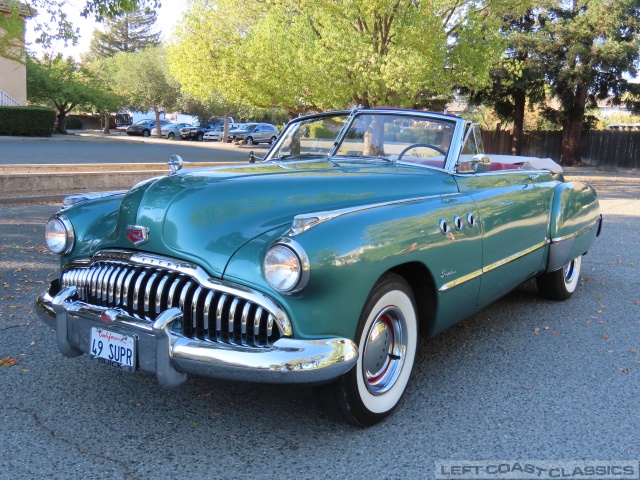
(254, 133)
(143, 127)
(170, 131)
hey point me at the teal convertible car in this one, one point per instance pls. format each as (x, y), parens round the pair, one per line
(318, 264)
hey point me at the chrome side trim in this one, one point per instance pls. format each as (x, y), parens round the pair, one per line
(458, 281)
(515, 256)
(578, 233)
(305, 221)
(493, 266)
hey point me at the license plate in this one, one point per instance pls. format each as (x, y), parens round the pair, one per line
(113, 349)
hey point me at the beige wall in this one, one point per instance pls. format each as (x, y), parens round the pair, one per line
(13, 80)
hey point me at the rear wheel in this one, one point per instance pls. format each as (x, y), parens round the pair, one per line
(249, 141)
(171, 136)
(199, 136)
(146, 133)
(561, 284)
(386, 336)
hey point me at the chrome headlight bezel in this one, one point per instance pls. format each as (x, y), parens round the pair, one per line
(298, 264)
(59, 235)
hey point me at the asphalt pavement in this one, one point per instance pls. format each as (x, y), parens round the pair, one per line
(525, 379)
(94, 147)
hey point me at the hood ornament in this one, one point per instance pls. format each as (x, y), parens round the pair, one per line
(175, 164)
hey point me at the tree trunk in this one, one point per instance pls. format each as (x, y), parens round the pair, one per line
(62, 122)
(520, 99)
(225, 128)
(105, 129)
(572, 128)
(158, 127)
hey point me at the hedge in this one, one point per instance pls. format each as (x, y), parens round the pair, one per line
(27, 121)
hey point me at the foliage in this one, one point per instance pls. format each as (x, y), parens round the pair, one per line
(64, 85)
(311, 54)
(27, 121)
(588, 49)
(12, 32)
(623, 117)
(53, 26)
(130, 32)
(143, 78)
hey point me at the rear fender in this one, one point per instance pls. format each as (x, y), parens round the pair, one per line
(574, 223)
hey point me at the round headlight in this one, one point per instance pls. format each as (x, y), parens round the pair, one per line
(283, 268)
(59, 235)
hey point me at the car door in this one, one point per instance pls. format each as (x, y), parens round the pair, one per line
(513, 215)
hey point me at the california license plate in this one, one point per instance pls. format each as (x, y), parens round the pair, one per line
(113, 349)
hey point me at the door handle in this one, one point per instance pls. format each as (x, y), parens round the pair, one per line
(533, 176)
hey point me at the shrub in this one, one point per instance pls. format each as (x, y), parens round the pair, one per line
(73, 123)
(27, 121)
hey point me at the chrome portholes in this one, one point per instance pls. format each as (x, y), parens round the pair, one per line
(458, 223)
(471, 220)
(444, 226)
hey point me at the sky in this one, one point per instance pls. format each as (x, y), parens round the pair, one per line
(168, 15)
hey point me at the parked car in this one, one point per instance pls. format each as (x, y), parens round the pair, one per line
(198, 129)
(144, 127)
(319, 264)
(170, 131)
(254, 133)
(214, 135)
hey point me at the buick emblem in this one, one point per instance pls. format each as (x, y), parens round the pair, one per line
(137, 234)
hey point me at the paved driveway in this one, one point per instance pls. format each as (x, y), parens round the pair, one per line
(525, 379)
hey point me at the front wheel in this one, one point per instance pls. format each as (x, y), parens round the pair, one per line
(387, 337)
(561, 284)
(171, 136)
(272, 141)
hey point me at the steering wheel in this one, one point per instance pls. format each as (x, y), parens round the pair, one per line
(416, 145)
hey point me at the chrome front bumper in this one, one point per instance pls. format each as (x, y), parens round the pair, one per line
(170, 356)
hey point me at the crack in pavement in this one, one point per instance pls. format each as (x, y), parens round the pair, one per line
(3, 329)
(73, 444)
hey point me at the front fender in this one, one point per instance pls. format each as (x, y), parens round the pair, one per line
(575, 221)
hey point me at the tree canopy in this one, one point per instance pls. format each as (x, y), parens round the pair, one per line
(130, 32)
(64, 84)
(144, 79)
(311, 54)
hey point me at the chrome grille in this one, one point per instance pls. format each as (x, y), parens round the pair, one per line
(145, 292)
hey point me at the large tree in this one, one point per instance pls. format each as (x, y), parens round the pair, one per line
(144, 79)
(65, 85)
(313, 54)
(589, 48)
(130, 32)
(518, 78)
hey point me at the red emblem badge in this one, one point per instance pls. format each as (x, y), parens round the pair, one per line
(137, 234)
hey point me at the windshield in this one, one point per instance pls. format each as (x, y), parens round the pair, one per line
(143, 122)
(311, 137)
(417, 138)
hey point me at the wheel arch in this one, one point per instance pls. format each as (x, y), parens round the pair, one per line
(420, 279)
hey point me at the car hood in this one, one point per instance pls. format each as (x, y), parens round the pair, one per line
(205, 215)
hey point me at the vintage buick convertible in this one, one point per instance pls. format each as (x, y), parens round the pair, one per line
(318, 264)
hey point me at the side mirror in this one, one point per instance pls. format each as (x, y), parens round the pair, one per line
(478, 164)
(253, 157)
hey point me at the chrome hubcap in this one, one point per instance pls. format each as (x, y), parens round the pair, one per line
(384, 351)
(569, 271)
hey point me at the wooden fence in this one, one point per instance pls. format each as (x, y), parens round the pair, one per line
(610, 149)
